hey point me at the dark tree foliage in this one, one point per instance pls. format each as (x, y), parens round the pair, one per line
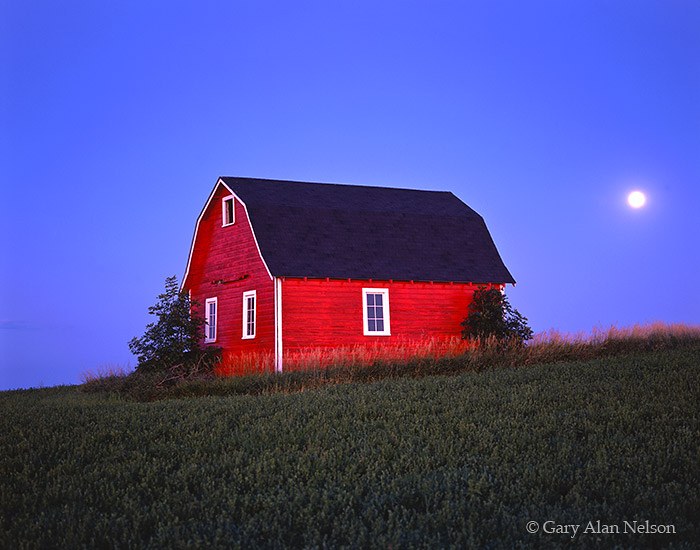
(490, 314)
(175, 339)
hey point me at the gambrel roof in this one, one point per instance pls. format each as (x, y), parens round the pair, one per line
(323, 230)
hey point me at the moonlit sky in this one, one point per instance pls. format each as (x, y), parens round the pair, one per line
(116, 118)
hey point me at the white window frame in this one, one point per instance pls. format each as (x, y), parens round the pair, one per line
(385, 312)
(224, 217)
(207, 326)
(246, 296)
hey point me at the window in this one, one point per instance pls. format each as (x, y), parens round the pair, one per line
(375, 311)
(210, 320)
(228, 212)
(249, 314)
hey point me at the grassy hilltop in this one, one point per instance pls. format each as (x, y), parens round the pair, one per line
(442, 461)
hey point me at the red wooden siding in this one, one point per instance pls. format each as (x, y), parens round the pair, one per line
(230, 254)
(321, 313)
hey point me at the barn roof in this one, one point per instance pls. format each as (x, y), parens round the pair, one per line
(351, 231)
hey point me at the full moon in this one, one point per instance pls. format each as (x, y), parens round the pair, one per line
(636, 199)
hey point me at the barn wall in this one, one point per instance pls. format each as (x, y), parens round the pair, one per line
(320, 313)
(227, 254)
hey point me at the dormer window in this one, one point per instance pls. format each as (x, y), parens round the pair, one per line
(228, 212)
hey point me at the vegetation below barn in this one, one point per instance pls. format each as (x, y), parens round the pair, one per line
(441, 461)
(313, 368)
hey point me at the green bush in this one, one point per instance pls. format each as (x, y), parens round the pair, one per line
(490, 314)
(174, 341)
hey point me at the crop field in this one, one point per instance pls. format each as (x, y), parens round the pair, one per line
(507, 458)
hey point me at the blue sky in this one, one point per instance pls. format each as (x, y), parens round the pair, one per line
(116, 118)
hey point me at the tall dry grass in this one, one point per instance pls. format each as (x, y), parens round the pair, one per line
(314, 358)
(449, 354)
(109, 370)
(553, 345)
(315, 367)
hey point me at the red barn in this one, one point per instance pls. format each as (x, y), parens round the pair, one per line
(281, 266)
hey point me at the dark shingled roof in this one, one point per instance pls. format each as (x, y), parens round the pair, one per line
(351, 231)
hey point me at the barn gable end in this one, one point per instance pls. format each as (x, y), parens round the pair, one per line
(225, 263)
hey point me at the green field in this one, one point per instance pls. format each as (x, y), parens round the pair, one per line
(455, 461)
